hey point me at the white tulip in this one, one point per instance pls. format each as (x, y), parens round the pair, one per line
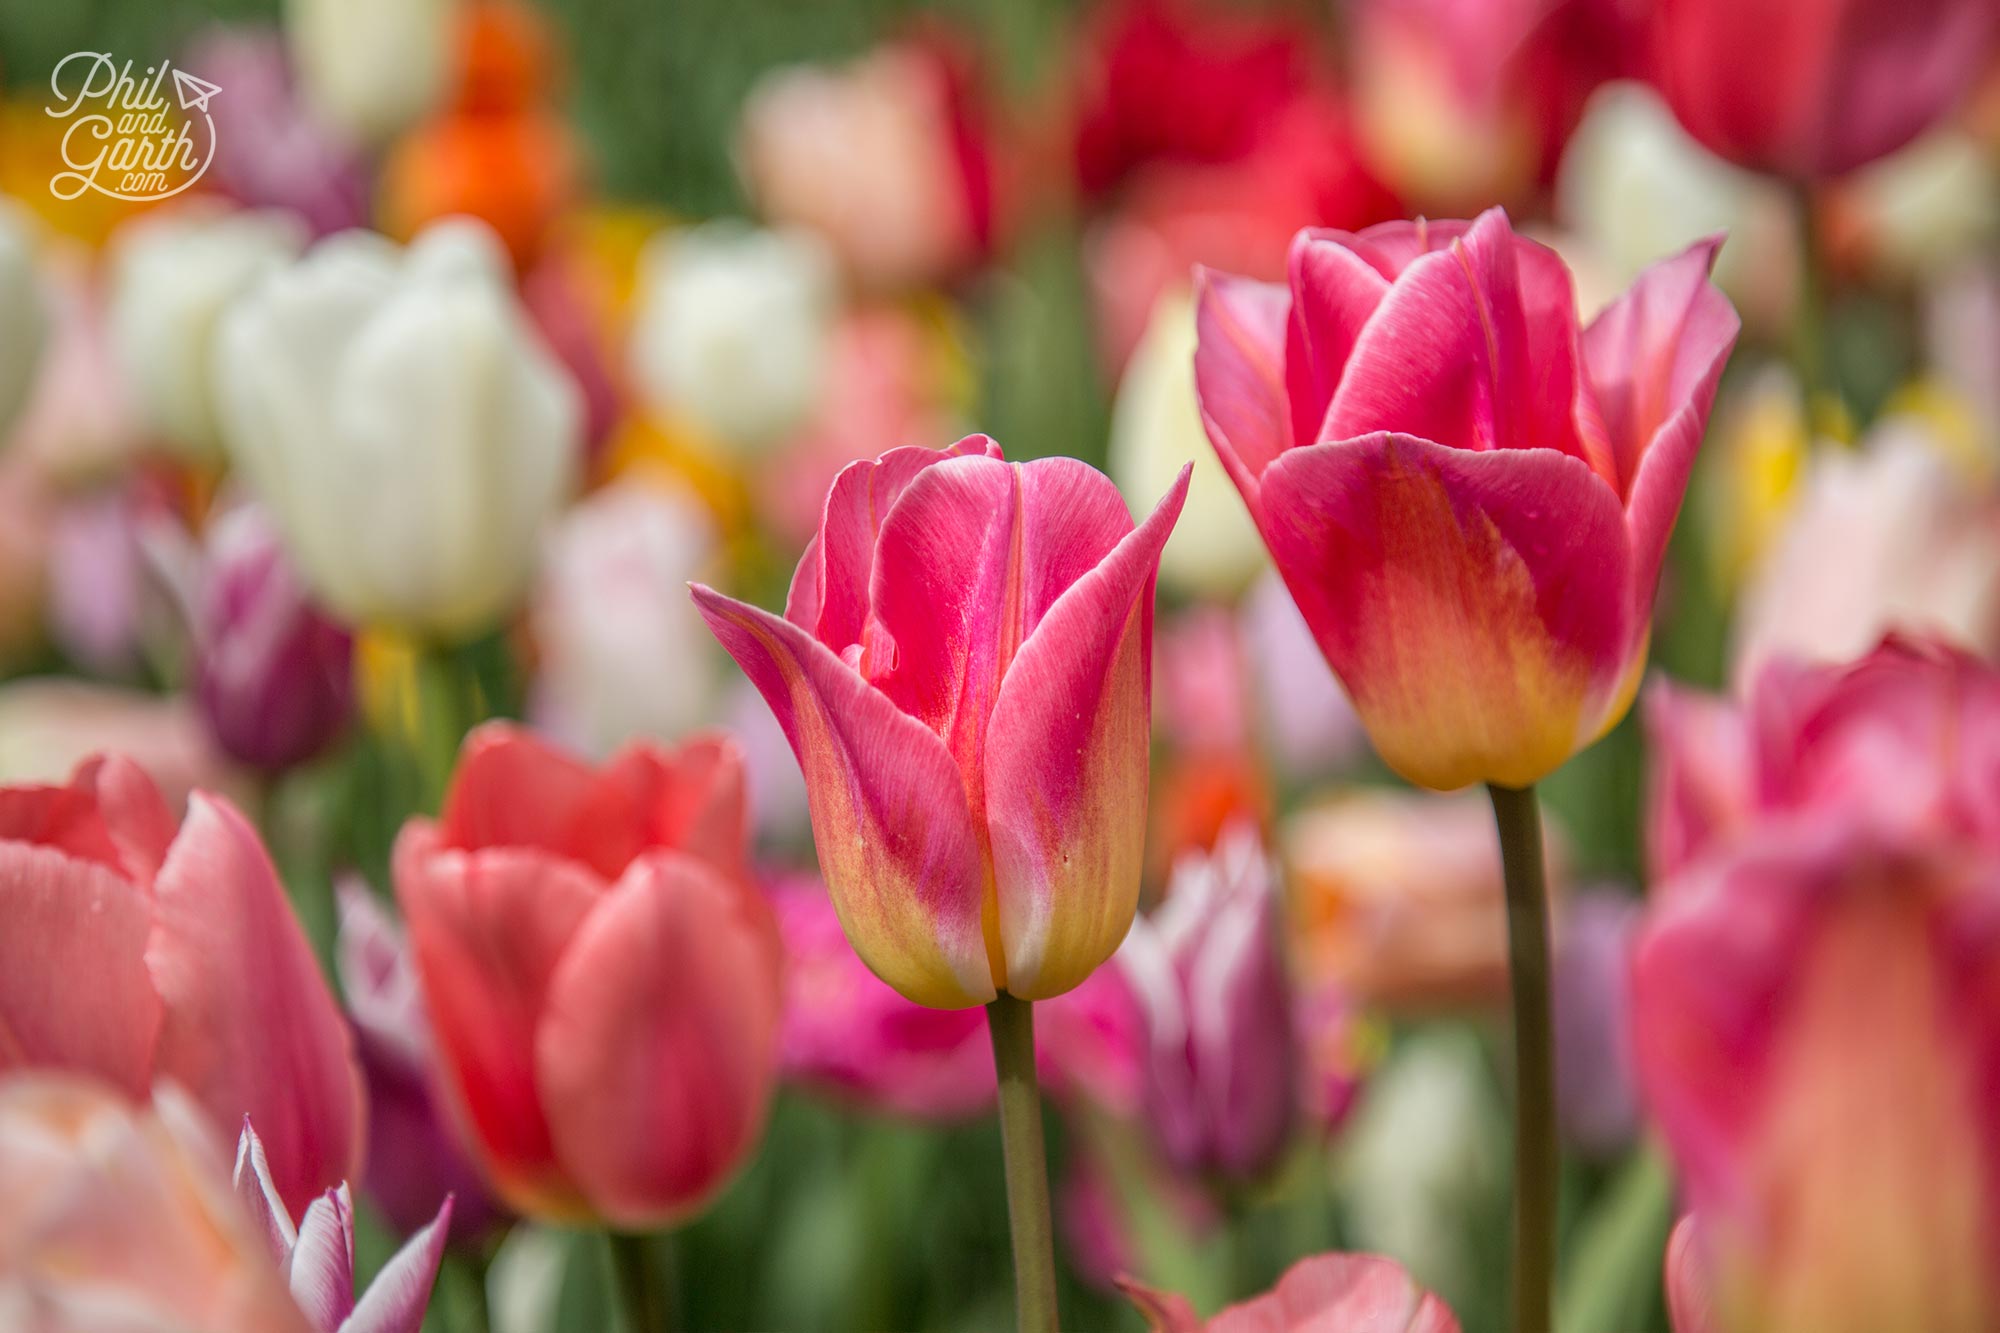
(1156, 429)
(624, 652)
(371, 67)
(172, 276)
(24, 319)
(733, 330)
(404, 425)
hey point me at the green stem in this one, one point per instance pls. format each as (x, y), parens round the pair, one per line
(641, 1292)
(1013, 1026)
(1520, 824)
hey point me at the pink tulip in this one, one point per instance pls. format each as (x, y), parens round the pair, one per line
(317, 1256)
(1813, 88)
(601, 979)
(197, 970)
(1468, 496)
(1690, 1294)
(964, 671)
(1328, 1293)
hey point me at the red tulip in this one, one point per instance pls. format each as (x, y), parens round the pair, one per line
(1813, 88)
(964, 671)
(1334, 1293)
(601, 980)
(1468, 496)
(139, 954)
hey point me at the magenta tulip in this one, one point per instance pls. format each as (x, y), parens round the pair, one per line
(964, 671)
(1468, 495)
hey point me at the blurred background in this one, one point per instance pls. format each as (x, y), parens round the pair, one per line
(760, 240)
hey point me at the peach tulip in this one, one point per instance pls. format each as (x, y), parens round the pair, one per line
(1333, 1293)
(1468, 495)
(964, 671)
(601, 978)
(135, 953)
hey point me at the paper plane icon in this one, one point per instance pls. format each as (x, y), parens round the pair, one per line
(193, 92)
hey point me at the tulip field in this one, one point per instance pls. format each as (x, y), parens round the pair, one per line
(1206, 666)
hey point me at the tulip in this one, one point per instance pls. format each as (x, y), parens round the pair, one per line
(273, 676)
(76, 423)
(346, 387)
(190, 946)
(50, 724)
(25, 325)
(370, 67)
(122, 1217)
(414, 1160)
(98, 581)
(623, 654)
(172, 276)
(1469, 497)
(1337, 1293)
(1222, 1086)
(317, 1257)
(601, 979)
(971, 719)
(1816, 89)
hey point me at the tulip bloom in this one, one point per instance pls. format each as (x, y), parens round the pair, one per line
(24, 326)
(1817, 88)
(138, 954)
(1337, 1293)
(964, 670)
(601, 980)
(1468, 496)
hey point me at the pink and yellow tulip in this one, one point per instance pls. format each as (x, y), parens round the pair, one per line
(1468, 495)
(964, 671)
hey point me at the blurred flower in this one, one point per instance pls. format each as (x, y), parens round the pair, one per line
(1397, 896)
(1633, 187)
(273, 676)
(1099, 1218)
(973, 723)
(1155, 431)
(98, 581)
(601, 977)
(1431, 329)
(1304, 717)
(1920, 211)
(561, 294)
(1888, 535)
(1761, 445)
(1689, 1288)
(400, 395)
(1597, 1100)
(414, 1160)
(78, 423)
(50, 724)
(1961, 318)
(190, 947)
(172, 274)
(371, 66)
(271, 150)
(317, 1257)
(1809, 90)
(731, 330)
(122, 1217)
(1337, 1293)
(623, 655)
(24, 326)
(887, 158)
(27, 516)
(776, 789)
(1222, 1077)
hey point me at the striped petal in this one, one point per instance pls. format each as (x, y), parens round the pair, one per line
(396, 1300)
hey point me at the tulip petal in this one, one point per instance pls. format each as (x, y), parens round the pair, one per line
(320, 1270)
(250, 1027)
(692, 798)
(659, 1049)
(1239, 374)
(395, 1301)
(1066, 767)
(489, 929)
(252, 1179)
(1702, 776)
(1480, 641)
(1689, 1283)
(1164, 1311)
(889, 814)
(1334, 292)
(67, 919)
(1355, 1293)
(513, 789)
(135, 815)
(1654, 357)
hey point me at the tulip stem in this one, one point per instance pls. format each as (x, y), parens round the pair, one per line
(1013, 1025)
(1520, 824)
(640, 1292)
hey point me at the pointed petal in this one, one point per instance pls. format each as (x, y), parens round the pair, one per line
(511, 788)
(252, 1179)
(1690, 1288)
(321, 1269)
(134, 813)
(658, 1053)
(488, 929)
(1480, 642)
(1239, 374)
(1334, 292)
(1164, 1311)
(692, 799)
(257, 1034)
(396, 1300)
(889, 812)
(1066, 768)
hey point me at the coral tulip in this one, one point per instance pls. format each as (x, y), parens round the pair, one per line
(1350, 1293)
(1468, 496)
(197, 969)
(601, 979)
(964, 671)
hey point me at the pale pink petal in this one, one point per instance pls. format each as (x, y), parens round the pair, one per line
(1239, 373)
(395, 1301)
(1690, 1289)
(252, 1178)
(321, 1268)
(1351, 1293)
